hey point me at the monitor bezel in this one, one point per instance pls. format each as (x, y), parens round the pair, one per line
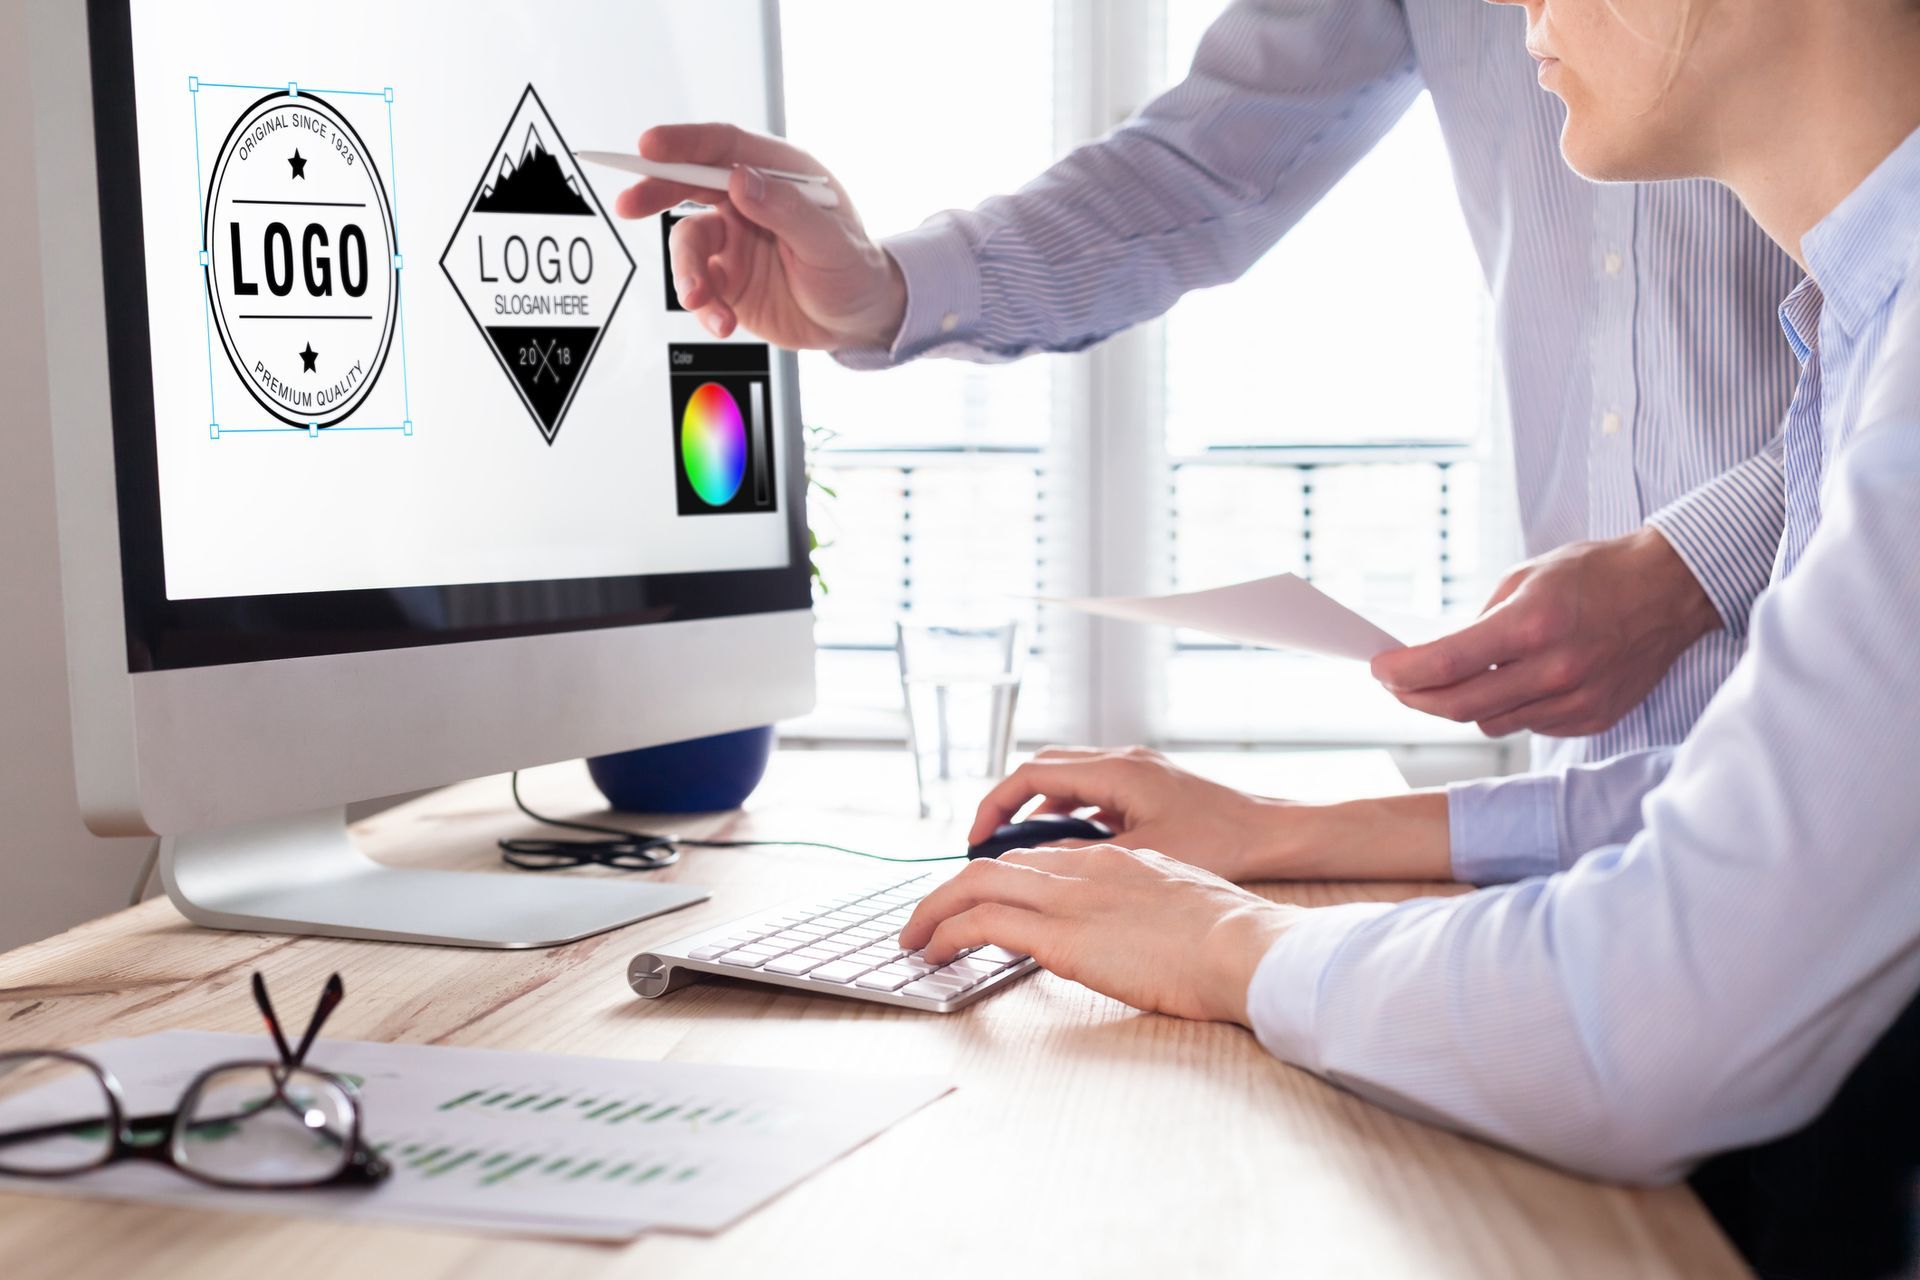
(164, 634)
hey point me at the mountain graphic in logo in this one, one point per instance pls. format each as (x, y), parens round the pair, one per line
(536, 185)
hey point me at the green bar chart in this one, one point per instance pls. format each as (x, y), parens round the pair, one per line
(602, 1109)
(485, 1165)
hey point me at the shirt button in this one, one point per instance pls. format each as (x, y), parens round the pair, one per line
(1610, 424)
(1614, 262)
(949, 322)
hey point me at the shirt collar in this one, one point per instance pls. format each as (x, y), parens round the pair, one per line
(1860, 250)
(1800, 318)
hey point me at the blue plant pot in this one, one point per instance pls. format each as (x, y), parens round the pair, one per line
(700, 775)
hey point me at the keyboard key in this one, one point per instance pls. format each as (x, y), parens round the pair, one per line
(838, 971)
(1000, 954)
(813, 930)
(744, 959)
(916, 966)
(793, 936)
(816, 953)
(792, 966)
(888, 978)
(936, 986)
(973, 970)
(879, 955)
(711, 952)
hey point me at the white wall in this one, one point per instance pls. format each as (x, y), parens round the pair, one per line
(53, 873)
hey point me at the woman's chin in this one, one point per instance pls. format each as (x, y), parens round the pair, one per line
(1600, 158)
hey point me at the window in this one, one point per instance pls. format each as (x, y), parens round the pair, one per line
(1251, 431)
(1329, 414)
(935, 467)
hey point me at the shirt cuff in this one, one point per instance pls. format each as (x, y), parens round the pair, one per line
(1504, 829)
(943, 295)
(1283, 1001)
(1727, 533)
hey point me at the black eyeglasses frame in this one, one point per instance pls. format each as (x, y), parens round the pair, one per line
(155, 1137)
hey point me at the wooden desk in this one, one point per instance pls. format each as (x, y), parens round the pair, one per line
(1084, 1139)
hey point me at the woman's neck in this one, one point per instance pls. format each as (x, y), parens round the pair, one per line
(1839, 107)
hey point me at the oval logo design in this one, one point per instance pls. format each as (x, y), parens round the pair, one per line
(300, 260)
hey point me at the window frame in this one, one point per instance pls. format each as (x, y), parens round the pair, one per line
(1106, 509)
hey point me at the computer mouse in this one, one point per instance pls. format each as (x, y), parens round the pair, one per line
(1039, 830)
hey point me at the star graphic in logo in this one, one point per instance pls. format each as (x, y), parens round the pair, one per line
(307, 358)
(299, 165)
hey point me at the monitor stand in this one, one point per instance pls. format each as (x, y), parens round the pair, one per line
(305, 875)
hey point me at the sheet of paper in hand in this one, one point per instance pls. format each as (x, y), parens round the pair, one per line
(1281, 612)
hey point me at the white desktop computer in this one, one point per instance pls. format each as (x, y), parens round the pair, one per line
(385, 458)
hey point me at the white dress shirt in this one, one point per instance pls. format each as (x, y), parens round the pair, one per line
(1708, 983)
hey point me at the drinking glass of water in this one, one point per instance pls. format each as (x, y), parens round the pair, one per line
(960, 681)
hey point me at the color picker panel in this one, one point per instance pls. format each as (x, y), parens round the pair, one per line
(723, 446)
(713, 444)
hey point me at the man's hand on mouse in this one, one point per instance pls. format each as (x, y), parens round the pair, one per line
(793, 273)
(1150, 803)
(1136, 925)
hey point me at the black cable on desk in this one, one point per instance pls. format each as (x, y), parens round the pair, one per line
(636, 850)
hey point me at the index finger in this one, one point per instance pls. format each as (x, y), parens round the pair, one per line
(723, 144)
(989, 880)
(1082, 781)
(656, 195)
(1469, 651)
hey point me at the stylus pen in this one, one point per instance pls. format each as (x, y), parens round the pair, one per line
(711, 176)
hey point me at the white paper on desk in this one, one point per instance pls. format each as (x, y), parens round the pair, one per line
(1281, 612)
(529, 1143)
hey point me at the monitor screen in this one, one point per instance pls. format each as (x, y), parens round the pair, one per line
(387, 369)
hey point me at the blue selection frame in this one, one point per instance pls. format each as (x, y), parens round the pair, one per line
(312, 431)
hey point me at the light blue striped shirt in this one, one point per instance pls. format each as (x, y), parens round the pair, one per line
(1709, 983)
(1644, 373)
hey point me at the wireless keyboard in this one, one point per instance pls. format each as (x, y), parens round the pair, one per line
(844, 945)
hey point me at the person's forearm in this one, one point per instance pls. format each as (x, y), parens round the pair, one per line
(1530, 824)
(1385, 838)
(1281, 103)
(1711, 983)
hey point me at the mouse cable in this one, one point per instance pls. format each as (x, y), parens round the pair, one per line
(636, 850)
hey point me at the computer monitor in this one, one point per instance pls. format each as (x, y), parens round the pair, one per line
(382, 461)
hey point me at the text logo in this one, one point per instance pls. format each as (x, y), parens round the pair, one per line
(300, 261)
(538, 264)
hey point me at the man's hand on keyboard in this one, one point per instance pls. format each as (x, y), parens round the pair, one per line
(1133, 924)
(1152, 803)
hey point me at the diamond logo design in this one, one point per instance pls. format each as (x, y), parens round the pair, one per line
(538, 264)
